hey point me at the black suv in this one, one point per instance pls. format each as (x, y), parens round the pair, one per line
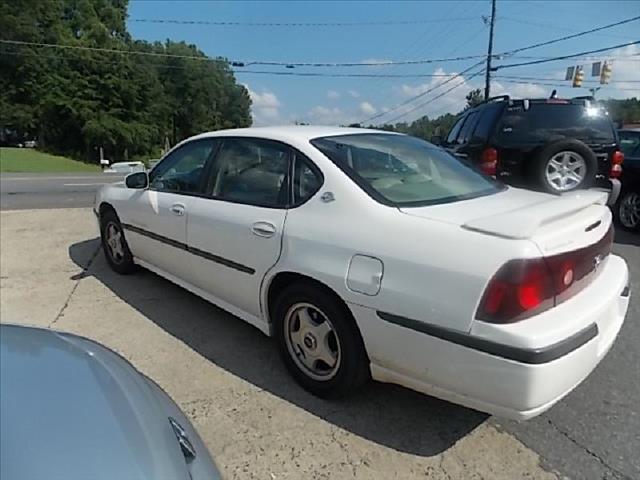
(554, 145)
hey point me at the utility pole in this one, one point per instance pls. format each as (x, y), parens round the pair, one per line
(487, 81)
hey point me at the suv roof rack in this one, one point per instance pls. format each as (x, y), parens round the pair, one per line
(505, 98)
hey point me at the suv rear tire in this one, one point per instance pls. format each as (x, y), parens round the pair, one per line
(564, 166)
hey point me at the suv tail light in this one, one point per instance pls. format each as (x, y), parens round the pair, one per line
(489, 161)
(525, 287)
(616, 164)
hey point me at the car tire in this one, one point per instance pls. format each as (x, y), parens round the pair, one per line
(114, 244)
(308, 343)
(627, 211)
(564, 166)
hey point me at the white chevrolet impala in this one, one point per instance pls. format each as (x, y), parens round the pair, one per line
(371, 254)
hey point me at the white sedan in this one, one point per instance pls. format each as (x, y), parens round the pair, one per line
(372, 254)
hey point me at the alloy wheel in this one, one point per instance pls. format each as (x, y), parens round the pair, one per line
(114, 242)
(312, 341)
(629, 210)
(565, 171)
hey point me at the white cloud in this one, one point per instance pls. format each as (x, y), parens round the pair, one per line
(354, 93)
(452, 102)
(521, 90)
(333, 95)
(265, 107)
(320, 115)
(367, 109)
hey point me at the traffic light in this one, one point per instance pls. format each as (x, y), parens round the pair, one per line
(578, 77)
(605, 74)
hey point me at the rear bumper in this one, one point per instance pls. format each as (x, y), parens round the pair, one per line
(516, 381)
(613, 192)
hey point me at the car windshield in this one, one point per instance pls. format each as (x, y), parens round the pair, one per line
(403, 170)
(547, 122)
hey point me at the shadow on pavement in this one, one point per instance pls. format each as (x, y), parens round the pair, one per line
(386, 414)
(627, 238)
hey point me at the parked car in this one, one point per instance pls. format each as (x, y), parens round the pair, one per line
(73, 409)
(628, 206)
(553, 145)
(125, 167)
(374, 254)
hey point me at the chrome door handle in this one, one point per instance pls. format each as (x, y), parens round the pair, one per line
(263, 229)
(177, 209)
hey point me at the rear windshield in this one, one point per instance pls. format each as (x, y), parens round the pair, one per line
(548, 122)
(404, 171)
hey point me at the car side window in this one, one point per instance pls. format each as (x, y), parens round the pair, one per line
(251, 171)
(485, 124)
(453, 134)
(467, 128)
(182, 170)
(306, 181)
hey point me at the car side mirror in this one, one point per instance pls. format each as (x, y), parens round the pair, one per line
(436, 140)
(137, 180)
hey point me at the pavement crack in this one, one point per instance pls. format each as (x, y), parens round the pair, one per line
(78, 278)
(617, 473)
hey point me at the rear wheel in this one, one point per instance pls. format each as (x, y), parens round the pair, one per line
(628, 211)
(114, 245)
(319, 341)
(564, 166)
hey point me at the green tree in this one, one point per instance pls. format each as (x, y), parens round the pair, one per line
(474, 97)
(76, 100)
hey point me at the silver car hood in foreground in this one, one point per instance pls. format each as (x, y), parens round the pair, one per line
(72, 409)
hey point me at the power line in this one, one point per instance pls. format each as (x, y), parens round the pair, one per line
(297, 24)
(237, 63)
(564, 57)
(422, 94)
(516, 77)
(551, 26)
(561, 85)
(575, 35)
(433, 99)
(259, 72)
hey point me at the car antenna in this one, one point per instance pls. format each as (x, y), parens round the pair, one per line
(554, 94)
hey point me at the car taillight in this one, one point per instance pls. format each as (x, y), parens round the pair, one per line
(522, 288)
(616, 164)
(489, 161)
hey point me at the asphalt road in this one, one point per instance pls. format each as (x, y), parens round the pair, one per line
(594, 433)
(50, 190)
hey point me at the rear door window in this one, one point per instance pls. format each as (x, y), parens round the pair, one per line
(486, 122)
(453, 134)
(548, 122)
(467, 128)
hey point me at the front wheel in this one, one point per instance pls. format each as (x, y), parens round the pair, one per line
(114, 244)
(319, 341)
(628, 211)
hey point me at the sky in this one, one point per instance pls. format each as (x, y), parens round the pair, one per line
(438, 30)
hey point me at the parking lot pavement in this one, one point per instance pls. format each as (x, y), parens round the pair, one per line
(227, 377)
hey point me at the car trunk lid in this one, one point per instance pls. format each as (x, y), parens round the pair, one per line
(556, 224)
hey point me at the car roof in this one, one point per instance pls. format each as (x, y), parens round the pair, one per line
(289, 133)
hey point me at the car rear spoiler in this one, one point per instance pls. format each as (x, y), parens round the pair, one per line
(523, 223)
